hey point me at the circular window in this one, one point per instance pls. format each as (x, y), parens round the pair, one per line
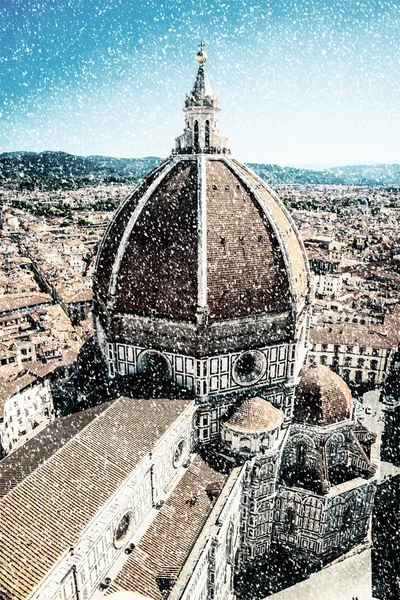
(122, 529)
(179, 453)
(249, 367)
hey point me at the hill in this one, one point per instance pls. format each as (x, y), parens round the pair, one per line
(60, 170)
(55, 170)
(359, 175)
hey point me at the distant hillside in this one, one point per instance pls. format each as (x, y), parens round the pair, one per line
(369, 174)
(274, 175)
(55, 170)
(365, 175)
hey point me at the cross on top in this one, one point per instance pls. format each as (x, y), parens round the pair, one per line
(201, 46)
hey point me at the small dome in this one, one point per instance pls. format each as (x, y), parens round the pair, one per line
(322, 397)
(255, 415)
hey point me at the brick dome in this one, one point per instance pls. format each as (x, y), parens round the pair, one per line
(255, 415)
(201, 233)
(322, 397)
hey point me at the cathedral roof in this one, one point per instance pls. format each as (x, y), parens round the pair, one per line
(201, 232)
(322, 397)
(166, 545)
(255, 415)
(58, 500)
(15, 467)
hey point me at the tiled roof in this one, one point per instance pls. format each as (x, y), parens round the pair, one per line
(255, 414)
(15, 467)
(114, 233)
(165, 547)
(46, 513)
(215, 216)
(374, 336)
(246, 273)
(322, 397)
(10, 302)
(286, 227)
(159, 267)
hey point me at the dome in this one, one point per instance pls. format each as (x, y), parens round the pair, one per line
(255, 415)
(322, 397)
(201, 233)
(202, 259)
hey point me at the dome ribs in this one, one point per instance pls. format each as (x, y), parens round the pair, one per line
(293, 243)
(254, 415)
(158, 272)
(201, 241)
(246, 273)
(113, 235)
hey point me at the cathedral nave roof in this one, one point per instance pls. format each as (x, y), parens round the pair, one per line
(166, 545)
(58, 500)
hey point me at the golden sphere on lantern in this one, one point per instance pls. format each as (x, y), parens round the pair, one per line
(201, 57)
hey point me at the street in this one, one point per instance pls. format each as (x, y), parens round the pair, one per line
(349, 579)
(375, 423)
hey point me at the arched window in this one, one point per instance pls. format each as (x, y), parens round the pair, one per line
(245, 445)
(207, 134)
(179, 453)
(266, 442)
(123, 528)
(154, 365)
(196, 135)
(290, 520)
(301, 454)
(230, 546)
(335, 450)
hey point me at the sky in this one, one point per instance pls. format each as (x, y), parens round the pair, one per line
(300, 82)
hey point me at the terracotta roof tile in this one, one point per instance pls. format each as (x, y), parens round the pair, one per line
(322, 397)
(374, 336)
(159, 268)
(165, 547)
(246, 245)
(255, 414)
(10, 388)
(15, 467)
(58, 500)
(286, 226)
(246, 273)
(12, 302)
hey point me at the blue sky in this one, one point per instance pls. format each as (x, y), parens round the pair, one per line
(301, 82)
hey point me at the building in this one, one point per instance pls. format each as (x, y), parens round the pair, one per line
(361, 354)
(202, 292)
(25, 403)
